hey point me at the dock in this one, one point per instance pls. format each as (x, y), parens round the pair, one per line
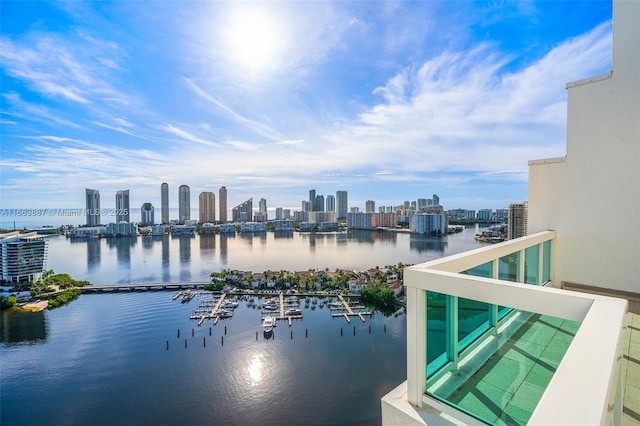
(349, 311)
(281, 312)
(209, 314)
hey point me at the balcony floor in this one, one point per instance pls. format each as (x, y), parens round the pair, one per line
(507, 388)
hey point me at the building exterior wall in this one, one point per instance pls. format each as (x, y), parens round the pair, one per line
(207, 207)
(342, 204)
(92, 207)
(184, 204)
(147, 214)
(602, 163)
(22, 257)
(164, 203)
(222, 195)
(122, 206)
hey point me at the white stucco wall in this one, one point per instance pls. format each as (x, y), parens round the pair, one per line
(592, 196)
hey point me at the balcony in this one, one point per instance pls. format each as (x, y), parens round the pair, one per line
(490, 340)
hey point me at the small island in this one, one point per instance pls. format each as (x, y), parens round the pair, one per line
(50, 291)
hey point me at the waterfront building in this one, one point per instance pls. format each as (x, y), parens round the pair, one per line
(370, 206)
(387, 220)
(485, 214)
(470, 214)
(259, 217)
(580, 283)
(207, 207)
(22, 256)
(283, 225)
(227, 228)
(92, 207)
(328, 226)
(146, 214)
(312, 197)
(157, 230)
(361, 220)
(262, 208)
(222, 195)
(183, 230)
(279, 213)
(86, 232)
(164, 203)
(243, 212)
(122, 206)
(120, 229)
(428, 223)
(253, 226)
(184, 204)
(319, 217)
(318, 205)
(331, 203)
(518, 220)
(502, 215)
(308, 226)
(301, 216)
(342, 204)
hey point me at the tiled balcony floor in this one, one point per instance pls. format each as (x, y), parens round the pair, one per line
(507, 388)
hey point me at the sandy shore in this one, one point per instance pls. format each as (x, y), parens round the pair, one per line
(35, 306)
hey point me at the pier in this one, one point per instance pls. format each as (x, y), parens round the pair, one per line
(207, 313)
(349, 310)
(281, 311)
(141, 287)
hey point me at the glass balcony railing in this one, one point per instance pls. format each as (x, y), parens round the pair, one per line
(487, 332)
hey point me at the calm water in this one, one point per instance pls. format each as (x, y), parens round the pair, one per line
(193, 258)
(103, 359)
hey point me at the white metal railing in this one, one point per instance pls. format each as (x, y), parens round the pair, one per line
(586, 387)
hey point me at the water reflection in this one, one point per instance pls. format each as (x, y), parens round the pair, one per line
(22, 327)
(123, 247)
(423, 243)
(185, 247)
(283, 234)
(255, 369)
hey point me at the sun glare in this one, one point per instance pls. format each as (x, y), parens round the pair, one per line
(255, 40)
(255, 370)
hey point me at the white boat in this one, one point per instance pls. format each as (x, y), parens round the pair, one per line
(229, 304)
(267, 324)
(293, 311)
(271, 306)
(224, 313)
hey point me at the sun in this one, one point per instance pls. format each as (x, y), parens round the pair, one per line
(255, 40)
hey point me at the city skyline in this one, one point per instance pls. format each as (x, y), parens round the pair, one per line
(389, 101)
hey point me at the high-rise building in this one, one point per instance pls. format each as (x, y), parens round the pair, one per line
(370, 206)
(243, 212)
(262, 208)
(331, 203)
(92, 207)
(279, 213)
(518, 220)
(146, 214)
(307, 206)
(422, 204)
(164, 202)
(184, 203)
(207, 204)
(318, 205)
(312, 197)
(436, 200)
(222, 195)
(22, 256)
(342, 205)
(122, 206)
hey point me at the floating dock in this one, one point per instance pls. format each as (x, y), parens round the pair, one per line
(207, 313)
(349, 310)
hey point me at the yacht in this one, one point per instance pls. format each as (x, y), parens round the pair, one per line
(293, 311)
(267, 324)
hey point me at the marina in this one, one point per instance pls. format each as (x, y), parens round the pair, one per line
(346, 310)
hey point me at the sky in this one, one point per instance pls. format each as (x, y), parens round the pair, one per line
(390, 101)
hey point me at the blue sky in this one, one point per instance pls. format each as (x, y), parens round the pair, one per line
(390, 101)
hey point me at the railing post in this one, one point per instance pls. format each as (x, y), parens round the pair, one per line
(417, 344)
(452, 330)
(540, 263)
(521, 261)
(493, 309)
